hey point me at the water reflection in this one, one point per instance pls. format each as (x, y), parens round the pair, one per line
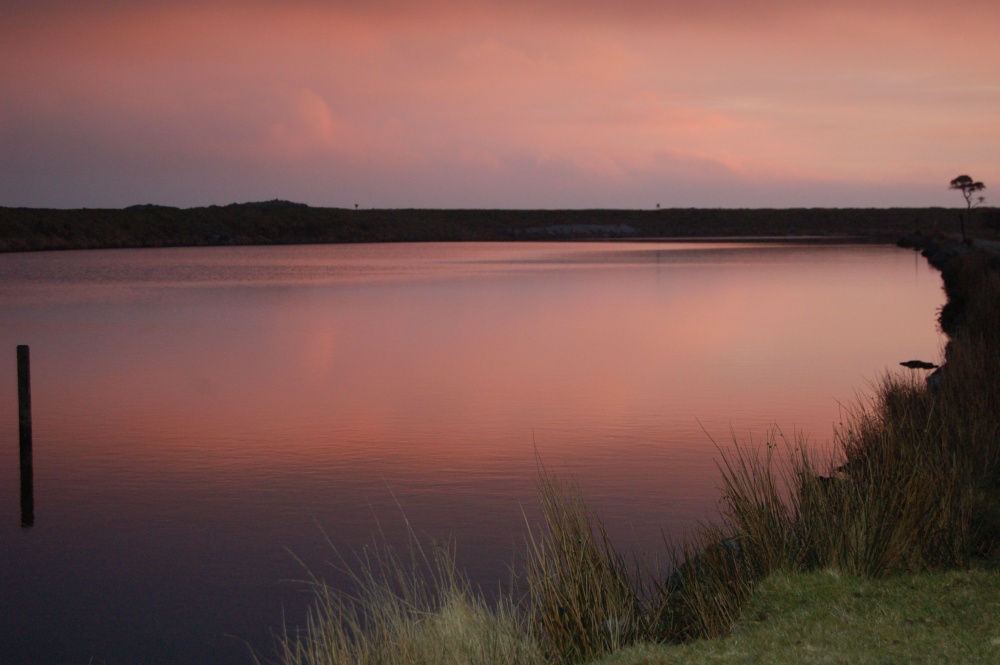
(199, 413)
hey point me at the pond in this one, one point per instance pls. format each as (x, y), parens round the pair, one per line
(207, 422)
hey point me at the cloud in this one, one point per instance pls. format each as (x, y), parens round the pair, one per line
(308, 126)
(639, 9)
(520, 103)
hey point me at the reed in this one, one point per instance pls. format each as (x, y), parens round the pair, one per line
(414, 610)
(584, 598)
(900, 501)
(706, 588)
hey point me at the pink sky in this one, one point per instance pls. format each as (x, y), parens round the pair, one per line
(515, 104)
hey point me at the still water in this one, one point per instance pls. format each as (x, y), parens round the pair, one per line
(205, 420)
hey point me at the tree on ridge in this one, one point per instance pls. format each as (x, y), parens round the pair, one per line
(968, 187)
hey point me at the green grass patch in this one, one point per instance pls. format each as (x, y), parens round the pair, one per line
(827, 617)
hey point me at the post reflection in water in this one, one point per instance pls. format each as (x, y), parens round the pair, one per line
(27, 488)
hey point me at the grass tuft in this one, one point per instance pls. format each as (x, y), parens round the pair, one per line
(418, 611)
(584, 597)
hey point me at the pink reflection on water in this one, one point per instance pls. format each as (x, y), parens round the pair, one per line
(277, 390)
(467, 367)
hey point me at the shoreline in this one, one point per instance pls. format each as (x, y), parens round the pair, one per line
(285, 223)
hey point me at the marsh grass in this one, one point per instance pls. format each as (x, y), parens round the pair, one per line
(414, 610)
(585, 599)
(900, 502)
(912, 485)
(706, 588)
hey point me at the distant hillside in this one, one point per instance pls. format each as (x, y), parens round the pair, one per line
(283, 222)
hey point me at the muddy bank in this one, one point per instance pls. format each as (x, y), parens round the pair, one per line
(963, 267)
(970, 271)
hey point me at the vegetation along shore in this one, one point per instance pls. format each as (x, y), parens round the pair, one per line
(886, 551)
(282, 222)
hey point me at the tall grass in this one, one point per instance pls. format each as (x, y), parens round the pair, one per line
(913, 484)
(899, 502)
(584, 598)
(417, 610)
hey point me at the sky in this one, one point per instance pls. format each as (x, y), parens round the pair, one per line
(498, 103)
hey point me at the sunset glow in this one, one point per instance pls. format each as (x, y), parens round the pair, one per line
(488, 104)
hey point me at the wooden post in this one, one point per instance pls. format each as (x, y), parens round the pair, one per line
(24, 418)
(24, 394)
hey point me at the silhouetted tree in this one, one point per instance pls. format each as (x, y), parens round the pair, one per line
(968, 187)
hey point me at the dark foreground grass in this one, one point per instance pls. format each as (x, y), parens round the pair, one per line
(818, 559)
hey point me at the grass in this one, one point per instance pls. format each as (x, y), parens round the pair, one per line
(583, 599)
(413, 610)
(865, 556)
(828, 617)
